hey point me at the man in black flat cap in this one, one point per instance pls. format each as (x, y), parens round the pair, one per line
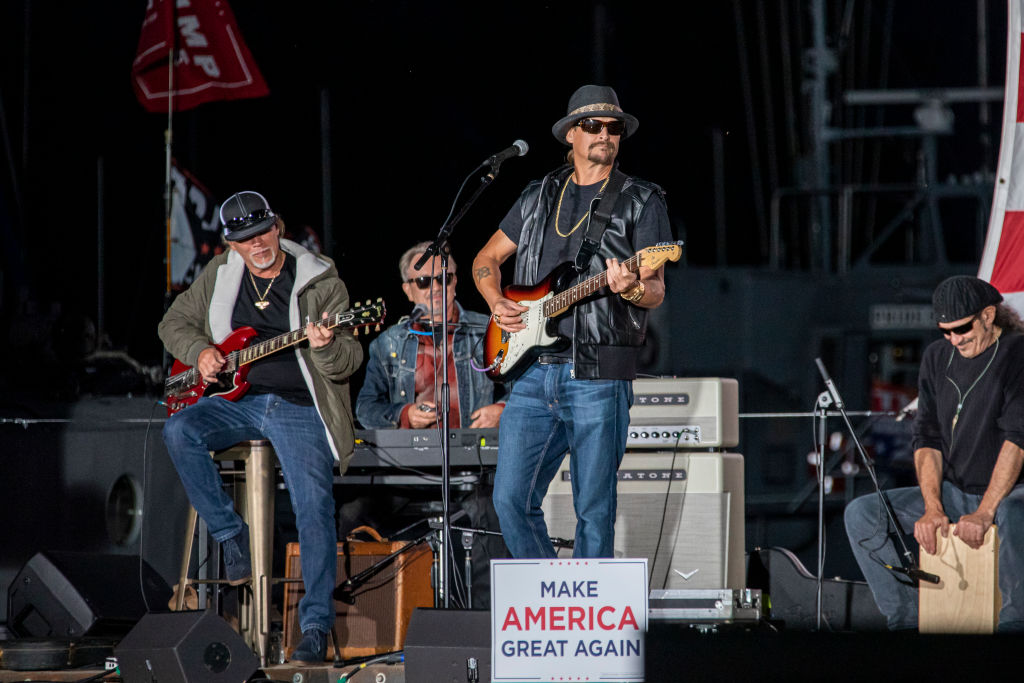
(968, 452)
(298, 399)
(576, 399)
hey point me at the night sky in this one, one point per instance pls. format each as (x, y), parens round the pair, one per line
(420, 93)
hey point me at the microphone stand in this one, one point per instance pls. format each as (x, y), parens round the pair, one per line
(908, 566)
(439, 247)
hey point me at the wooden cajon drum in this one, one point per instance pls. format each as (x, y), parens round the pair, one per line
(967, 599)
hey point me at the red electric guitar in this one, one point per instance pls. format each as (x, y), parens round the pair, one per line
(185, 386)
(508, 354)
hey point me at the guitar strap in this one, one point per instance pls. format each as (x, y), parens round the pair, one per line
(599, 220)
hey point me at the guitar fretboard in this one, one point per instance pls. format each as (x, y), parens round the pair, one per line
(265, 348)
(563, 300)
(236, 359)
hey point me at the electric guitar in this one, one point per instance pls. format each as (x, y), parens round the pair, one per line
(508, 354)
(185, 385)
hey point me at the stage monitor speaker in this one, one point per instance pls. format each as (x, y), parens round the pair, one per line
(185, 647)
(448, 645)
(793, 591)
(70, 595)
(683, 511)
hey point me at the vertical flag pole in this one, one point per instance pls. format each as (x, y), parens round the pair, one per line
(168, 138)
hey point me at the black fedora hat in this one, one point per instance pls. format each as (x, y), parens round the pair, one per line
(593, 100)
(246, 214)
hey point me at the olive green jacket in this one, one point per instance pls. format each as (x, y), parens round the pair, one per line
(202, 314)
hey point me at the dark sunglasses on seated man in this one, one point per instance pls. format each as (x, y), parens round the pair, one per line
(959, 329)
(252, 218)
(423, 281)
(593, 126)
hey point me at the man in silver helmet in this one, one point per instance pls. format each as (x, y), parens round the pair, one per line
(968, 451)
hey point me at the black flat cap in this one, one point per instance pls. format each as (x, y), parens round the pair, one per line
(962, 296)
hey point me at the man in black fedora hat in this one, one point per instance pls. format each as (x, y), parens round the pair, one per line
(968, 452)
(576, 399)
(298, 398)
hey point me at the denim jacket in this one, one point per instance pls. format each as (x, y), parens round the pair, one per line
(390, 381)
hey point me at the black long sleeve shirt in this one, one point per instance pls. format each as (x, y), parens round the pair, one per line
(992, 410)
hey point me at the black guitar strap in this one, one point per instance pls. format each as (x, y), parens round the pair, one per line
(599, 219)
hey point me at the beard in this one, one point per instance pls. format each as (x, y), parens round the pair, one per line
(602, 153)
(269, 260)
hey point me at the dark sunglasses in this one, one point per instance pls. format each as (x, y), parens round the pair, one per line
(959, 329)
(423, 281)
(254, 217)
(593, 126)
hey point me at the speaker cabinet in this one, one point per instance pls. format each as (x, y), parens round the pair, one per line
(184, 647)
(101, 482)
(447, 645)
(683, 511)
(378, 618)
(70, 595)
(845, 605)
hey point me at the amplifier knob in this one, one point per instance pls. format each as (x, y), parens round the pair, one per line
(633, 435)
(643, 435)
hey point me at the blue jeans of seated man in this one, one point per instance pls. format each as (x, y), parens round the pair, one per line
(866, 525)
(547, 414)
(300, 441)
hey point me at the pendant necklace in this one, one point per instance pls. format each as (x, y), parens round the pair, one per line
(558, 211)
(262, 303)
(963, 397)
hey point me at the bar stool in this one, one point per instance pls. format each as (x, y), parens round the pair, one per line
(255, 503)
(967, 599)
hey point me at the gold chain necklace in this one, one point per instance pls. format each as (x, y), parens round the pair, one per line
(558, 211)
(262, 303)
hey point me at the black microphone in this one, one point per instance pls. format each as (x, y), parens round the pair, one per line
(418, 311)
(343, 592)
(519, 148)
(828, 383)
(914, 573)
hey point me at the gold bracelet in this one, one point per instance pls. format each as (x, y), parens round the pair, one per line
(634, 293)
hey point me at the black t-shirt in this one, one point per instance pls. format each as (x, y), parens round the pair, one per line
(652, 227)
(279, 372)
(990, 387)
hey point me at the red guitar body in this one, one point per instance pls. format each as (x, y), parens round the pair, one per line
(230, 382)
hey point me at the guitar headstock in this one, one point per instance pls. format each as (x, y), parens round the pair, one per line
(370, 313)
(654, 257)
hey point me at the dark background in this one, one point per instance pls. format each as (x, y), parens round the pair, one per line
(419, 93)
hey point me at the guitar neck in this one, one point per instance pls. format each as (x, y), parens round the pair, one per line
(563, 300)
(265, 348)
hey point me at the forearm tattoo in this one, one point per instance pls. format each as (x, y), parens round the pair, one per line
(481, 272)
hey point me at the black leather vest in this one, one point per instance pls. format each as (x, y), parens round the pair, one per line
(608, 331)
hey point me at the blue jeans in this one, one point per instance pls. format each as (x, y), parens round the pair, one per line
(866, 525)
(547, 414)
(300, 441)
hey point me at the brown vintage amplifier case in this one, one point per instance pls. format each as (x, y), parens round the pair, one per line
(377, 622)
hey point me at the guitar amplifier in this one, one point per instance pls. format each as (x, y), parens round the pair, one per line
(377, 620)
(673, 412)
(683, 511)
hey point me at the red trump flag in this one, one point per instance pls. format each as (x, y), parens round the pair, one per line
(211, 61)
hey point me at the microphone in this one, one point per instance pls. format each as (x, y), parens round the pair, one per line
(828, 383)
(909, 410)
(418, 311)
(519, 148)
(914, 574)
(343, 592)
